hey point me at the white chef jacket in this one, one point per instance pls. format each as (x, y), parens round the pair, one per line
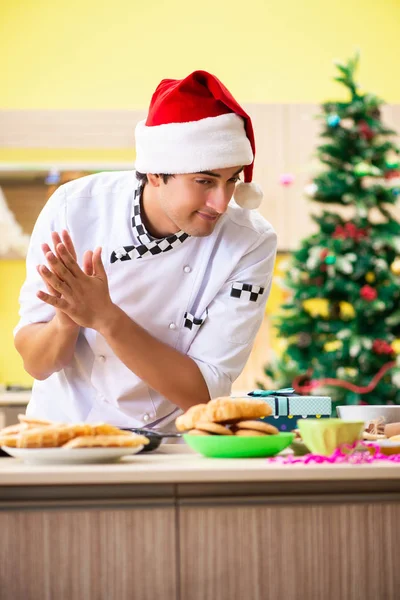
(193, 298)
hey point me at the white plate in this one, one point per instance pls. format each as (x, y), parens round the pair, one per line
(384, 443)
(69, 456)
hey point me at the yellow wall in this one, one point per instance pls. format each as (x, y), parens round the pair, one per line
(91, 54)
(12, 275)
(102, 55)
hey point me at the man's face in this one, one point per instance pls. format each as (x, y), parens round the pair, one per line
(196, 201)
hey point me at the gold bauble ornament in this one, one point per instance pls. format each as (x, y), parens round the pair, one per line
(396, 346)
(395, 266)
(346, 310)
(333, 346)
(370, 277)
(317, 307)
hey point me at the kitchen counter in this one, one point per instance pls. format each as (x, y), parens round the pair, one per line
(178, 464)
(15, 398)
(178, 526)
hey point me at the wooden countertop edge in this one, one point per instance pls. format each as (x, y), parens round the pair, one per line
(178, 469)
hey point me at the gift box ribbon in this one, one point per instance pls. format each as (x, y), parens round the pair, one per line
(281, 400)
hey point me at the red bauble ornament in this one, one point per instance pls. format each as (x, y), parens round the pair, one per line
(382, 347)
(324, 254)
(365, 130)
(368, 293)
(349, 230)
(392, 174)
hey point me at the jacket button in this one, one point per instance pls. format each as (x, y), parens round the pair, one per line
(172, 326)
(146, 417)
(101, 358)
(187, 269)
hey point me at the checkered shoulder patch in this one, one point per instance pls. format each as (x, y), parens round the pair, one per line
(247, 291)
(190, 321)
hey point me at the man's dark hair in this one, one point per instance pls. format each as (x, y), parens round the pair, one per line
(143, 177)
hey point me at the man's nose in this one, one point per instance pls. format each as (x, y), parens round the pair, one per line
(219, 199)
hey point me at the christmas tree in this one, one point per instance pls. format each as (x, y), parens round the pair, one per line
(342, 320)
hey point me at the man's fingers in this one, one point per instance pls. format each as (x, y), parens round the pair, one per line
(53, 300)
(46, 248)
(58, 267)
(50, 289)
(88, 262)
(66, 238)
(98, 267)
(55, 237)
(68, 260)
(50, 278)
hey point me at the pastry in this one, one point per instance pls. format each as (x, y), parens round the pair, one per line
(107, 441)
(229, 410)
(257, 426)
(198, 432)
(190, 417)
(395, 438)
(215, 428)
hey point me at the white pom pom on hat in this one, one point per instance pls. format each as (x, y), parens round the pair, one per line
(248, 195)
(195, 125)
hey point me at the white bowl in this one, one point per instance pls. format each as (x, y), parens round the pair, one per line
(365, 413)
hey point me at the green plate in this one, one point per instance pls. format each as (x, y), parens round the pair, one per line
(231, 446)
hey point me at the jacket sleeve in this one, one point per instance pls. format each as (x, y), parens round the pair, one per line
(51, 218)
(224, 341)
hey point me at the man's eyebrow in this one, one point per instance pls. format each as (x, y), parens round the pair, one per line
(212, 174)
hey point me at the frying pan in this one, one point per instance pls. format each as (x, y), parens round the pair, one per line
(155, 437)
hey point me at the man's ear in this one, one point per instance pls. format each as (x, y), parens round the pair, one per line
(154, 180)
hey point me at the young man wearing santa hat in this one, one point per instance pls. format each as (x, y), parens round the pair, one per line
(156, 282)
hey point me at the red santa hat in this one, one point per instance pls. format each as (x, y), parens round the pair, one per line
(194, 125)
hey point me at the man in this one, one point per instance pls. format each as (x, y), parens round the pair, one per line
(156, 282)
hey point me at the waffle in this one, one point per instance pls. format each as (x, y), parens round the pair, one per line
(36, 422)
(51, 436)
(14, 429)
(107, 441)
(9, 440)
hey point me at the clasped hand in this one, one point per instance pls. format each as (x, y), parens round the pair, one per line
(82, 295)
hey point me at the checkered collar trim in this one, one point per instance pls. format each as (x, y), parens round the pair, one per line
(148, 244)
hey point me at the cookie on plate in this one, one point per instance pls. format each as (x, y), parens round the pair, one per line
(266, 428)
(198, 432)
(213, 428)
(251, 433)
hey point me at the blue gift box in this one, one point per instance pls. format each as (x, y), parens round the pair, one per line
(288, 407)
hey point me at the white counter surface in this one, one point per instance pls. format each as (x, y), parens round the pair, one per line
(178, 464)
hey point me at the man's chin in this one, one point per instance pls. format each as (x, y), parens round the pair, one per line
(201, 227)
